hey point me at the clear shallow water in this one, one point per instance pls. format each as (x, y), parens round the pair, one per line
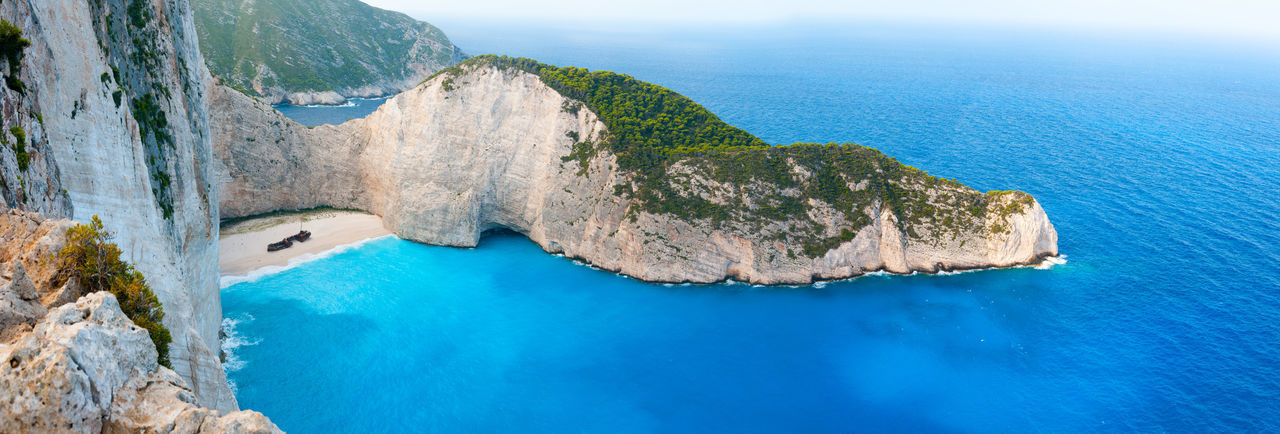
(1158, 165)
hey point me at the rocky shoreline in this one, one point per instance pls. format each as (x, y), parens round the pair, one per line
(368, 52)
(1040, 261)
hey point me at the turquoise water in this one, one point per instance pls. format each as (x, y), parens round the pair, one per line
(1157, 162)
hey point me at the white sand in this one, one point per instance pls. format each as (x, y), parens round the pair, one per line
(242, 248)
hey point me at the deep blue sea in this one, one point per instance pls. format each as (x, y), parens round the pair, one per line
(1157, 160)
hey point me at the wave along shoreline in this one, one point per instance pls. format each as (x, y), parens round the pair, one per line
(227, 281)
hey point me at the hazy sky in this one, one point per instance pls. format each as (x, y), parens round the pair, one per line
(1253, 19)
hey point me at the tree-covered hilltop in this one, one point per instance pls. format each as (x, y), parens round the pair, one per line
(266, 47)
(685, 162)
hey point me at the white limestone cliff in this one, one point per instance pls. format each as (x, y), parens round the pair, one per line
(73, 362)
(84, 80)
(459, 155)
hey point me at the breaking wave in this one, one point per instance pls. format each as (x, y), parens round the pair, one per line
(1052, 261)
(231, 341)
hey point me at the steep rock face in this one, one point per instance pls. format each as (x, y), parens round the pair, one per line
(487, 156)
(120, 91)
(86, 368)
(29, 175)
(296, 167)
(491, 148)
(318, 51)
(82, 365)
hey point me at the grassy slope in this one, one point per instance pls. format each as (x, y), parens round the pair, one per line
(313, 45)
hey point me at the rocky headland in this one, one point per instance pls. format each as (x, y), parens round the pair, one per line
(490, 144)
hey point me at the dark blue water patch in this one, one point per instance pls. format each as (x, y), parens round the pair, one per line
(313, 115)
(1159, 167)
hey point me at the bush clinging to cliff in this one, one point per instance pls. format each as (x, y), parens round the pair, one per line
(19, 147)
(12, 45)
(94, 261)
(11, 42)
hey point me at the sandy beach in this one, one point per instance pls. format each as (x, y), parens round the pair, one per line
(243, 245)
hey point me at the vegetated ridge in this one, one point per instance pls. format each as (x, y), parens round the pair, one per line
(317, 51)
(668, 143)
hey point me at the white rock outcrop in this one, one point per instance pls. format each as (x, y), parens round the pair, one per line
(20, 306)
(462, 154)
(87, 368)
(117, 101)
(77, 364)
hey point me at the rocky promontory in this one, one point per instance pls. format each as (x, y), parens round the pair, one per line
(73, 362)
(84, 367)
(510, 143)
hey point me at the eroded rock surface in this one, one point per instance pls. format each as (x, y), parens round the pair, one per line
(80, 365)
(20, 307)
(87, 368)
(114, 112)
(490, 148)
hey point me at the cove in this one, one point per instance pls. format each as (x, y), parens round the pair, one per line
(399, 336)
(316, 115)
(1156, 161)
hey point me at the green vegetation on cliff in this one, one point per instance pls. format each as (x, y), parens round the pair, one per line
(130, 34)
(94, 261)
(12, 46)
(685, 162)
(267, 46)
(19, 147)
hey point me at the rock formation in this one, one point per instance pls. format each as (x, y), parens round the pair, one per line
(488, 147)
(85, 367)
(112, 106)
(20, 306)
(76, 363)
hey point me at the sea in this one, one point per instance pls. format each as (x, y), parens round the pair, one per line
(1157, 158)
(332, 114)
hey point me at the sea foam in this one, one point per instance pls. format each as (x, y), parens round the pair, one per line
(1051, 261)
(231, 341)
